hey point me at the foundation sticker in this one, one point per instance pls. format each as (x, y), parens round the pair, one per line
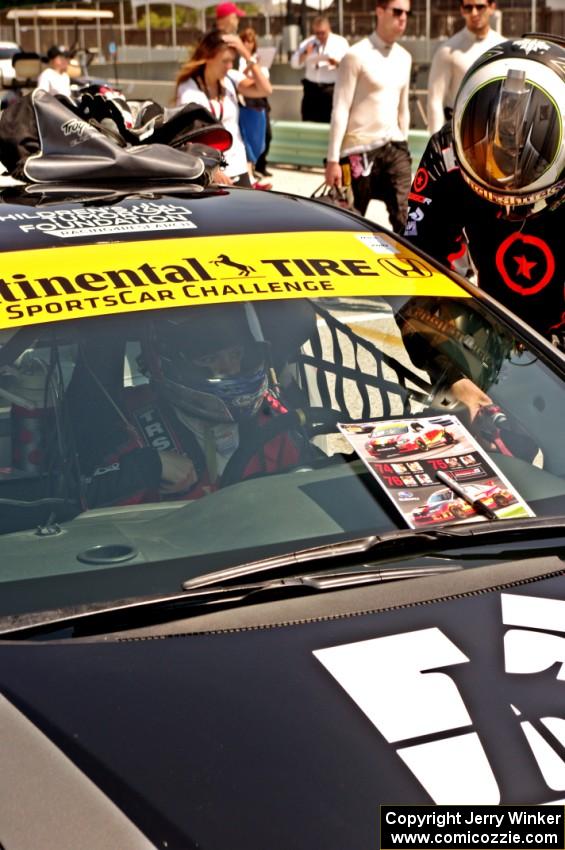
(144, 217)
(54, 284)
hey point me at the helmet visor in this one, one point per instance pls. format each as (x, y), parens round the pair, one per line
(509, 134)
(227, 385)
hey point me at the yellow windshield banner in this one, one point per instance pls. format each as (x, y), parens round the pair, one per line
(54, 284)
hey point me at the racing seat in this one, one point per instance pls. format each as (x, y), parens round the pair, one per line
(94, 391)
(37, 484)
(74, 70)
(299, 333)
(286, 325)
(27, 68)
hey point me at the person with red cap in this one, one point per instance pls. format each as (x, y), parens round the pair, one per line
(227, 17)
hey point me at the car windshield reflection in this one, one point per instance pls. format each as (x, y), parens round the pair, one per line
(213, 431)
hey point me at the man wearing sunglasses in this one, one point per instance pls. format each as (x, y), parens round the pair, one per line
(455, 56)
(370, 117)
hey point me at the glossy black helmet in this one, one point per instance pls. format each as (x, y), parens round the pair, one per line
(211, 361)
(508, 124)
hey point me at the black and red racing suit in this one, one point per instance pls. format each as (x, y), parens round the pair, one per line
(129, 471)
(520, 263)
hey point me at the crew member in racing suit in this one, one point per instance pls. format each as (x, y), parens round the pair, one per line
(173, 436)
(495, 178)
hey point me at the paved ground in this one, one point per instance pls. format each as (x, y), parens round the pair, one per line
(305, 180)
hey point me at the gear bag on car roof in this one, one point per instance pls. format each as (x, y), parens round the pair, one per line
(45, 138)
(137, 123)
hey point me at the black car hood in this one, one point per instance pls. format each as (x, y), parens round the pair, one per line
(255, 738)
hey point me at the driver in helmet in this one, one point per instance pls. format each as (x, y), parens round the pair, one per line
(495, 178)
(208, 392)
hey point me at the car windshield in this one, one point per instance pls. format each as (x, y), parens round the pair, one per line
(8, 52)
(394, 431)
(208, 436)
(441, 496)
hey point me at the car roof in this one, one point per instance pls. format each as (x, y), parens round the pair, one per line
(220, 211)
(227, 244)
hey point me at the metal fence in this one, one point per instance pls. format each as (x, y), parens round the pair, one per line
(358, 17)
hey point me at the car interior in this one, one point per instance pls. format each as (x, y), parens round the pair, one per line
(61, 380)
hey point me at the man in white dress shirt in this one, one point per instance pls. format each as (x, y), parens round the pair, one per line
(319, 55)
(54, 79)
(455, 56)
(369, 128)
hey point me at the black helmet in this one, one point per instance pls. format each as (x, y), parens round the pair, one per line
(508, 124)
(211, 361)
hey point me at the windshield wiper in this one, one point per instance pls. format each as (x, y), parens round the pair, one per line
(121, 614)
(215, 589)
(347, 549)
(336, 579)
(397, 544)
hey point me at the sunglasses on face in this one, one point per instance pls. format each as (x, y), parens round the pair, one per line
(397, 13)
(470, 7)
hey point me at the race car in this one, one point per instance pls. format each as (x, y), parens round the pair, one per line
(445, 506)
(442, 506)
(216, 629)
(404, 438)
(491, 494)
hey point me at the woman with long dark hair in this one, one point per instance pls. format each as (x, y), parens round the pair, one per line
(209, 78)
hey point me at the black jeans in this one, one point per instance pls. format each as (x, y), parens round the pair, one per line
(261, 164)
(389, 181)
(317, 102)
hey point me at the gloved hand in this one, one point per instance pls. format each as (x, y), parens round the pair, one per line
(505, 433)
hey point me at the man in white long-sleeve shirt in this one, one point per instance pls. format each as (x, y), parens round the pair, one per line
(370, 117)
(319, 56)
(54, 79)
(455, 56)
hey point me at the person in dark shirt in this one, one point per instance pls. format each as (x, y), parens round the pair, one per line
(495, 179)
(493, 182)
